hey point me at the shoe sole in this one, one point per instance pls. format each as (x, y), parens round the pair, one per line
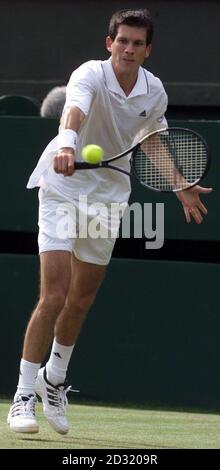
(30, 430)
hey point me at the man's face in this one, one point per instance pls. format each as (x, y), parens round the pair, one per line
(128, 49)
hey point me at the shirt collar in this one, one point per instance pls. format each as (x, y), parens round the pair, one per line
(141, 86)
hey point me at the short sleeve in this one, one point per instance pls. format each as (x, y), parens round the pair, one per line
(81, 88)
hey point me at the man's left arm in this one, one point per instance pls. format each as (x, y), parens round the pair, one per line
(190, 198)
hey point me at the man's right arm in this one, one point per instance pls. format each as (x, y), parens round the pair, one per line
(67, 139)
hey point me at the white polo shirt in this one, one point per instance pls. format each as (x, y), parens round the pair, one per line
(112, 121)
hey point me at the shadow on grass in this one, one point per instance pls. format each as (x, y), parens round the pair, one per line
(100, 443)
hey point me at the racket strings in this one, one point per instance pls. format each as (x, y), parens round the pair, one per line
(170, 160)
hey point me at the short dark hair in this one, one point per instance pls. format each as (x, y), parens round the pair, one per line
(138, 18)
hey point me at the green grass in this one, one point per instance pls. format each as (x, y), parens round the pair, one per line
(105, 427)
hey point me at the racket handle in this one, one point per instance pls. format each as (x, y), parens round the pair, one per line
(86, 166)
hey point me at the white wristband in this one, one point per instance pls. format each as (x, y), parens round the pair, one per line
(67, 138)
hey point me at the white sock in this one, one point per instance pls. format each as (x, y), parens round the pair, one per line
(27, 377)
(58, 362)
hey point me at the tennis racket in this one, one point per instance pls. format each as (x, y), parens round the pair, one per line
(171, 159)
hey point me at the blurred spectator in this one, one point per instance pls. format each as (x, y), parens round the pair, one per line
(53, 103)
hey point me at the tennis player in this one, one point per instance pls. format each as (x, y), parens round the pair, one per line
(108, 103)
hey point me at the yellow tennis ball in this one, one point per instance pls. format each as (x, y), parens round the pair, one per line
(92, 153)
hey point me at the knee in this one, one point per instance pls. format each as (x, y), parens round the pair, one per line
(81, 302)
(85, 301)
(51, 303)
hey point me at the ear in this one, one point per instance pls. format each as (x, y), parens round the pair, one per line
(109, 44)
(148, 50)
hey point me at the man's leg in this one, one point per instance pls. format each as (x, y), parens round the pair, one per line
(85, 281)
(55, 281)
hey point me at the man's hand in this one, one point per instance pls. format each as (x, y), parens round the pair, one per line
(64, 161)
(192, 204)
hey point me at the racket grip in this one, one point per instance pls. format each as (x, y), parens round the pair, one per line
(85, 166)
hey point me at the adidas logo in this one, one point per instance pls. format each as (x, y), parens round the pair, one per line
(57, 354)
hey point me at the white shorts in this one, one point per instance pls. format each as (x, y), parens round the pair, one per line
(89, 230)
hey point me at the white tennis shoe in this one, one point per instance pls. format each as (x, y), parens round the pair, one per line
(21, 416)
(54, 401)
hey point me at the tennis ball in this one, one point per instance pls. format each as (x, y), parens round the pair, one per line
(92, 153)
